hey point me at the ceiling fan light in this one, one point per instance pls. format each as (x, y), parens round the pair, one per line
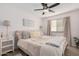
(45, 11)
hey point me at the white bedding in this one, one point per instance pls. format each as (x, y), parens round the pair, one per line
(38, 47)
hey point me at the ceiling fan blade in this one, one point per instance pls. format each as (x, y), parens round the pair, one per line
(38, 9)
(54, 5)
(52, 11)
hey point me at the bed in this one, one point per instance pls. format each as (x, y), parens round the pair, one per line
(43, 46)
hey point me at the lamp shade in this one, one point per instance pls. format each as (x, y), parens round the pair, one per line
(6, 23)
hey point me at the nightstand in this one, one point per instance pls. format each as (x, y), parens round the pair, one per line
(6, 45)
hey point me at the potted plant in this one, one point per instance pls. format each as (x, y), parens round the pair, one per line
(76, 41)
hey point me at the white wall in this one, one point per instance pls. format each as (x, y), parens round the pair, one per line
(15, 15)
(74, 17)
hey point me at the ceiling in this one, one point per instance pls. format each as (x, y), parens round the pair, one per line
(29, 7)
(63, 7)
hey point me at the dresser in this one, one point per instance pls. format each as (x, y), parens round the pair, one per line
(6, 45)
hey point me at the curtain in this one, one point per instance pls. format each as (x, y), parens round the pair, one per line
(48, 28)
(67, 30)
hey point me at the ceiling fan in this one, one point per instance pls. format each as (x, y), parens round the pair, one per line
(47, 8)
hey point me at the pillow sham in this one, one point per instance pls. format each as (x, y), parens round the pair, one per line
(36, 34)
(25, 35)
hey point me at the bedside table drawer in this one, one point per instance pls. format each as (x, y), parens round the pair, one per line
(7, 49)
(7, 43)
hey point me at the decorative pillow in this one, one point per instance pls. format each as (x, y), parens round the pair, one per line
(36, 34)
(18, 35)
(25, 35)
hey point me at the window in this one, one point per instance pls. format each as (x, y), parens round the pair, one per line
(57, 25)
